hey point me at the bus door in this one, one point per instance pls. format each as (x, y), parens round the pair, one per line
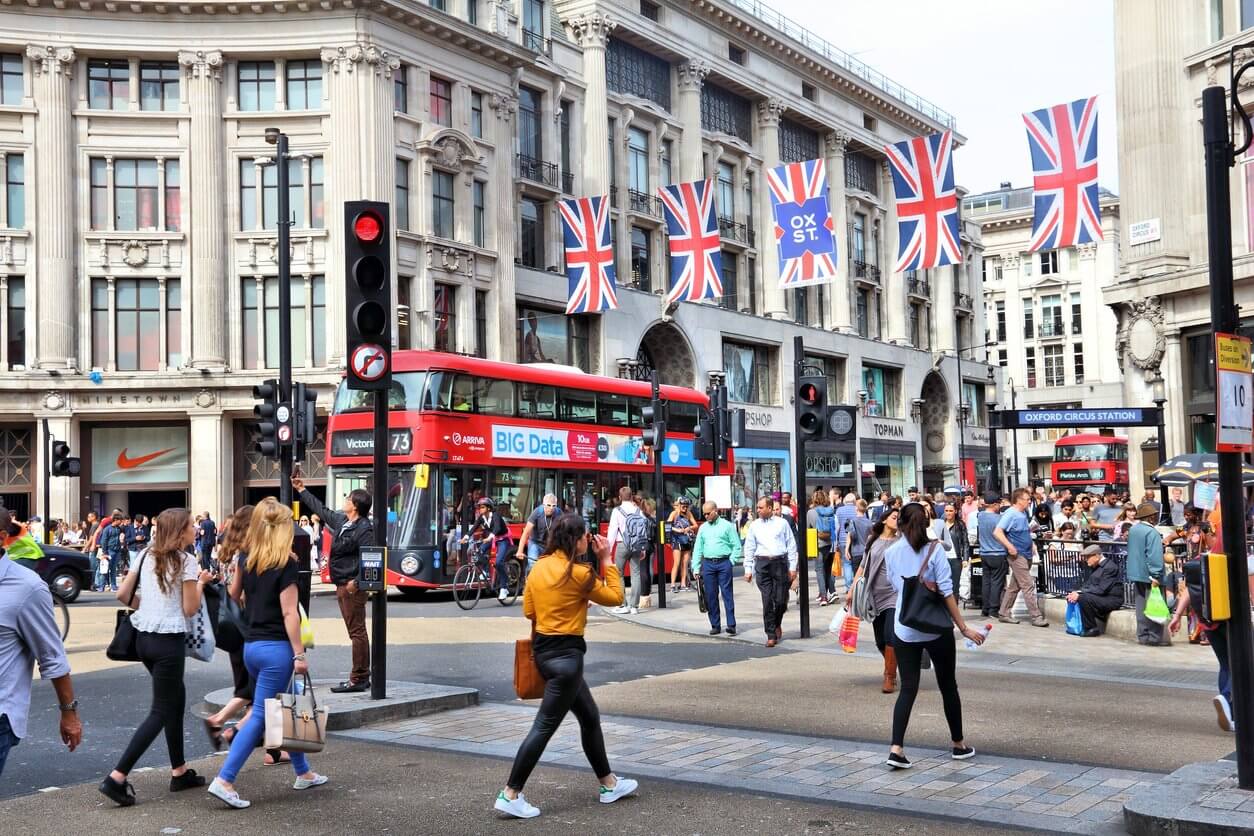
(579, 496)
(460, 489)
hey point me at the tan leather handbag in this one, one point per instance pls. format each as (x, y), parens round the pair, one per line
(528, 683)
(294, 721)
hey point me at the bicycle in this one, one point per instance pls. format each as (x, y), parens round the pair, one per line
(472, 578)
(61, 613)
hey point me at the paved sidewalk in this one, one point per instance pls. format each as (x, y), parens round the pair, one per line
(1056, 797)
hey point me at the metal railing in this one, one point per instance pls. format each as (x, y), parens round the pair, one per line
(535, 41)
(568, 182)
(644, 203)
(1051, 329)
(537, 171)
(963, 301)
(918, 287)
(733, 231)
(865, 272)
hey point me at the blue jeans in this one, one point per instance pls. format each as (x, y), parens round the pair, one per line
(1219, 645)
(533, 554)
(95, 568)
(846, 567)
(716, 577)
(7, 740)
(270, 664)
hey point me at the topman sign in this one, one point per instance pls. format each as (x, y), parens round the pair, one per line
(1116, 416)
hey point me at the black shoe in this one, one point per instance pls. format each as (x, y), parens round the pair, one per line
(1091, 633)
(351, 687)
(962, 753)
(122, 794)
(189, 780)
(897, 761)
(714, 631)
(731, 631)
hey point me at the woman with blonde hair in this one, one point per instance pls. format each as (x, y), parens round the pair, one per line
(168, 586)
(265, 583)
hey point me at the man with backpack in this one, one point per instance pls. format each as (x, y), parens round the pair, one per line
(844, 519)
(628, 536)
(822, 518)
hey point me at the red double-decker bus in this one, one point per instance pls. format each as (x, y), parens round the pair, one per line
(461, 428)
(1090, 462)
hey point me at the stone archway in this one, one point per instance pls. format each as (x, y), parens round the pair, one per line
(937, 428)
(665, 348)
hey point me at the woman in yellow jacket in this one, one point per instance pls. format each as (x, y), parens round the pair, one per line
(556, 598)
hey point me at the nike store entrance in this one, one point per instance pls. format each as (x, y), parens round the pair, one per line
(141, 468)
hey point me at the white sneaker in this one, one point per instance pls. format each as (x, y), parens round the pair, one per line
(621, 610)
(1223, 712)
(316, 781)
(518, 808)
(624, 787)
(229, 797)
(502, 595)
(635, 611)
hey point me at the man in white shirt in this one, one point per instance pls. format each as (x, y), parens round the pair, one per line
(770, 552)
(616, 537)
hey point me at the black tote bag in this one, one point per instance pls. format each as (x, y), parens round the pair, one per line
(922, 606)
(122, 647)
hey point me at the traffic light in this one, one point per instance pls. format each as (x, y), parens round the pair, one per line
(654, 432)
(368, 294)
(736, 432)
(63, 464)
(305, 407)
(812, 407)
(266, 413)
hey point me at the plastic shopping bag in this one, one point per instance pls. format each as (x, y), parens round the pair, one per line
(837, 621)
(964, 582)
(849, 633)
(1156, 606)
(306, 629)
(1075, 624)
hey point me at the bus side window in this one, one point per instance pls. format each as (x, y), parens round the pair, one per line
(536, 401)
(494, 397)
(463, 394)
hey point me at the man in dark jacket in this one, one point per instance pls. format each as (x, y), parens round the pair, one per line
(350, 530)
(1101, 594)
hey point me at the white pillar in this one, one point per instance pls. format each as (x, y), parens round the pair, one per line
(841, 285)
(51, 67)
(943, 316)
(691, 77)
(591, 32)
(769, 112)
(895, 285)
(503, 328)
(202, 72)
(207, 490)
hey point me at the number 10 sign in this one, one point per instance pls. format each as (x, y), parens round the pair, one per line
(1234, 405)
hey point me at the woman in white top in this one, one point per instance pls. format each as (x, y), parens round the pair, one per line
(916, 554)
(168, 589)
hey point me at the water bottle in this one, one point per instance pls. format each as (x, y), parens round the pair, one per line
(298, 685)
(972, 645)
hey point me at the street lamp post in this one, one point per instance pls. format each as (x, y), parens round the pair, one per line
(1014, 435)
(1160, 400)
(278, 139)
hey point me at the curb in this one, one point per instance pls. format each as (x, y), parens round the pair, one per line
(351, 711)
(1174, 807)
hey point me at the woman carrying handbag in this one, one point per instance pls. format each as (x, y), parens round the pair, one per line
(556, 600)
(273, 651)
(168, 585)
(919, 572)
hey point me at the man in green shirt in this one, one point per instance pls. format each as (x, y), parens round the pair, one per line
(716, 550)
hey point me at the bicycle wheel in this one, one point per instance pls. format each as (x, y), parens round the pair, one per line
(467, 586)
(513, 582)
(61, 611)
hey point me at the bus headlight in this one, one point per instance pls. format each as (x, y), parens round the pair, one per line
(410, 564)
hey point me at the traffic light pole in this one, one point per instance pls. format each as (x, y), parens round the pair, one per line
(285, 306)
(47, 435)
(379, 609)
(659, 579)
(799, 475)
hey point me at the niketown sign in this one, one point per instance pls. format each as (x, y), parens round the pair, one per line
(136, 400)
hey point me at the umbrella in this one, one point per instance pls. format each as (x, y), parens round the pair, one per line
(1187, 468)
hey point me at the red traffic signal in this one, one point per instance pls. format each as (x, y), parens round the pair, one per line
(367, 226)
(809, 393)
(811, 406)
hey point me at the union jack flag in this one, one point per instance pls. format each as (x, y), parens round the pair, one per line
(803, 223)
(927, 205)
(696, 257)
(1063, 140)
(589, 255)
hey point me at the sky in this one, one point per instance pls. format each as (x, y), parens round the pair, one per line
(986, 62)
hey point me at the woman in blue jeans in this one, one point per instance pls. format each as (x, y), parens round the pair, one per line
(274, 653)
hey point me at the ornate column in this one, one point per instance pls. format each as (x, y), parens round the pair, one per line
(691, 77)
(503, 328)
(769, 112)
(834, 145)
(54, 184)
(894, 300)
(202, 72)
(591, 31)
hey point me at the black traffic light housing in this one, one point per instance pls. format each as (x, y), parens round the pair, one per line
(266, 413)
(368, 293)
(63, 464)
(305, 409)
(653, 416)
(812, 407)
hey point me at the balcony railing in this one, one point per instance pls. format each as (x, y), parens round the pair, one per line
(644, 203)
(535, 41)
(733, 231)
(963, 301)
(861, 173)
(1052, 329)
(918, 287)
(537, 171)
(568, 182)
(869, 273)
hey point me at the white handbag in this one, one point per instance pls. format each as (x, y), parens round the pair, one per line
(199, 642)
(294, 721)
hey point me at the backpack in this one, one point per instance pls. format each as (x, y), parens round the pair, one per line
(636, 533)
(827, 523)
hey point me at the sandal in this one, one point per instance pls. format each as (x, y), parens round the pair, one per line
(276, 757)
(215, 735)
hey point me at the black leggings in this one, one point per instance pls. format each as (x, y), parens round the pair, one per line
(564, 691)
(909, 660)
(883, 627)
(163, 656)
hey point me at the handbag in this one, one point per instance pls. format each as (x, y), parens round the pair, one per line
(230, 633)
(861, 601)
(528, 681)
(1075, 624)
(122, 647)
(922, 606)
(294, 720)
(701, 593)
(198, 640)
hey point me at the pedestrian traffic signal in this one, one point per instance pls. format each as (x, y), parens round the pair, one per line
(811, 407)
(266, 413)
(63, 464)
(368, 294)
(305, 407)
(654, 417)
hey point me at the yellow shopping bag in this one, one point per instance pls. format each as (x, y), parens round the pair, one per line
(306, 629)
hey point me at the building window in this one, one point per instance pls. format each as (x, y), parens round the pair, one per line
(1054, 374)
(10, 79)
(439, 5)
(304, 85)
(400, 89)
(1029, 329)
(883, 391)
(136, 195)
(298, 187)
(735, 54)
(631, 70)
(15, 190)
(445, 338)
(641, 255)
(481, 323)
(256, 85)
(749, 374)
(442, 225)
(99, 323)
(15, 315)
(1049, 262)
(808, 92)
(553, 337)
(857, 240)
(481, 213)
(317, 207)
(797, 143)
(1003, 359)
(1077, 315)
(800, 306)
(138, 325)
(861, 172)
(402, 194)
(649, 10)
(531, 233)
(108, 84)
(1030, 356)
(722, 111)
(638, 161)
(158, 85)
(726, 194)
(862, 310)
(476, 114)
(173, 196)
(533, 25)
(1051, 316)
(731, 292)
(472, 12)
(308, 321)
(1001, 322)
(173, 324)
(751, 283)
(1247, 14)
(913, 318)
(563, 138)
(665, 169)
(441, 101)
(529, 123)
(833, 369)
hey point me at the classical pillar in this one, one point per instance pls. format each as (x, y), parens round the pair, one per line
(591, 32)
(503, 328)
(691, 77)
(207, 490)
(54, 186)
(894, 284)
(202, 72)
(841, 285)
(942, 309)
(343, 177)
(769, 112)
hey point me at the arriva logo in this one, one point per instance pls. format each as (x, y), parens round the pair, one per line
(459, 439)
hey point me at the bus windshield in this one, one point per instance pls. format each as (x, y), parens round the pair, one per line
(410, 508)
(406, 393)
(1086, 452)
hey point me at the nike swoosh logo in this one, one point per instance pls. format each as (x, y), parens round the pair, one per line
(127, 463)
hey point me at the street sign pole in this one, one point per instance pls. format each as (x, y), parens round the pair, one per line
(379, 612)
(659, 493)
(285, 309)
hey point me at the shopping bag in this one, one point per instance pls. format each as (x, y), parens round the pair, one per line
(1156, 607)
(306, 629)
(198, 641)
(849, 633)
(1075, 624)
(964, 582)
(528, 681)
(837, 620)
(294, 721)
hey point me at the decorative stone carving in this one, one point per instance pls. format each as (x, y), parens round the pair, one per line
(202, 63)
(1141, 335)
(1087, 252)
(58, 60)
(451, 259)
(591, 31)
(346, 58)
(205, 399)
(770, 111)
(692, 75)
(836, 142)
(135, 253)
(505, 106)
(54, 400)
(383, 62)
